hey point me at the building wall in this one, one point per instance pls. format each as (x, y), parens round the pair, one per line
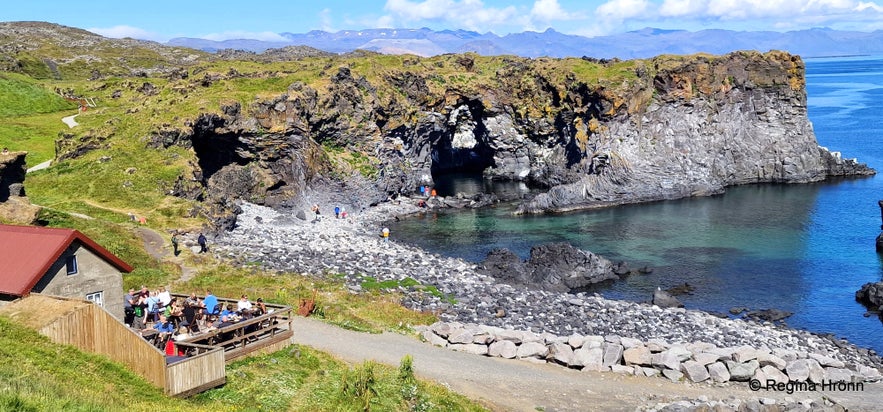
(94, 274)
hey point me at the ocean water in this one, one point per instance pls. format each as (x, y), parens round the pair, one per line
(800, 248)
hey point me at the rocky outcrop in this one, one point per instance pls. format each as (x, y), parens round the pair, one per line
(672, 127)
(871, 295)
(14, 205)
(558, 267)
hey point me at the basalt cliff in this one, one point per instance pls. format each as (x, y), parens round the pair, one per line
(669, 127)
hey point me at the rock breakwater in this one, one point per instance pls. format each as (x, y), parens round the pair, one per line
(694, 362)
(352, 247)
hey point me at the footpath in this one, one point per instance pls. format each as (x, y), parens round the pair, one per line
(516, 385)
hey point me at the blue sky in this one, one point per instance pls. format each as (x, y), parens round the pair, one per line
(224, 19)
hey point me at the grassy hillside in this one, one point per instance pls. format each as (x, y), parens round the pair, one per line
(142, 88)
(37, 375)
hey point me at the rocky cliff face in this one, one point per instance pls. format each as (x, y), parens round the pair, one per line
(676, 127)
(14, 206)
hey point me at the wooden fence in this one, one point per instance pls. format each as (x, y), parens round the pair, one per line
(91, 328)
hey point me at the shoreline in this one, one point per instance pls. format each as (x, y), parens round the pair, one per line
(353, 248)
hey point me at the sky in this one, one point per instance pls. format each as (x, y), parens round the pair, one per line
(161, 20)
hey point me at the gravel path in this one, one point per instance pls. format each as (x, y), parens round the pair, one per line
(516, 385)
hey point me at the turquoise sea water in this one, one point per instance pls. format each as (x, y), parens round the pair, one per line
(800, 248)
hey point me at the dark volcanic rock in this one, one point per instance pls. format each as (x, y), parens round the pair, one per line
(555, 266)
(768, 315)
(871, 295)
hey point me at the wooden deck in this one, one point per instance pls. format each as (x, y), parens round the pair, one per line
(90, 328)
(262, 334)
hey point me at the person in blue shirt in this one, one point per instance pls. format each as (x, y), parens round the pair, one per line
(228, 311)
(210, 302)
(163, 325)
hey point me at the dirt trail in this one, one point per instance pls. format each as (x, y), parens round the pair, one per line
(156, 247)
(516, 385)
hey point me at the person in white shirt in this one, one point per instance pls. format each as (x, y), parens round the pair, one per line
(243, 304)
(164, 296)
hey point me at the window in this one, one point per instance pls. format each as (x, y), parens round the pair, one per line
(96, 298)
(71, 265)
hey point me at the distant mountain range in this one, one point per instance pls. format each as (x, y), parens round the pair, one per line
(643, 43)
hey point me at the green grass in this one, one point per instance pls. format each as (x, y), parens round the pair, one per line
(38, 375)
(302, 379)
(19, 95)
(374, 312)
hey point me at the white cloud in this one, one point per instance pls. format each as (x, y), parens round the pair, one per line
(862, 6)
(675, 8)
(119, 32)
(325, 20)
(619, 10)
(469, 14)
(239, 34)
(548, 10)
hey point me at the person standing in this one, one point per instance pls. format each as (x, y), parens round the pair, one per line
(129, 307)
(337, 212)
(385, 234)
(202, 243)
(175, 244)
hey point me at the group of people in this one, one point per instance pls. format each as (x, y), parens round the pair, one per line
(200, 240)
(158, 316)
(339, 212)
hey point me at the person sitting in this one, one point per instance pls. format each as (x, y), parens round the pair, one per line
(228, 311)
(243, 304)
(260, 307)
(223, 322)
(164, 328)
(210, 302)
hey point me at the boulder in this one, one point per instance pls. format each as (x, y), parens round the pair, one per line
(560, 352)
(769, 359)
(742, 371)
(588, 358)
(532, 350)
(827, 361)
(612, 354)
(772, 373)
(513, 336)
(664, 299)
(673, 375)
(667, 360)
(718, 372)
(638, 355)
(798, 370)
(838, 375)
(460, 336)
(695, 371)
(744, 354)
(434, 339)
(871, 295)
(706, 358)
(557, 267)
(502, 349)
(470, 348)
(576, 341)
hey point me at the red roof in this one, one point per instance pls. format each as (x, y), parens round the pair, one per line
(27, 253)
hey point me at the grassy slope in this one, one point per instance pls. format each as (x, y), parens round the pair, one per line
(30, 116)
(136, 179)
(38, 375)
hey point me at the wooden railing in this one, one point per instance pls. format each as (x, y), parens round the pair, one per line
(89, 327)
(202, 369)
(266, 333)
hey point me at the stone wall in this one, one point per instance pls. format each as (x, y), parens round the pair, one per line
(693, 362)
